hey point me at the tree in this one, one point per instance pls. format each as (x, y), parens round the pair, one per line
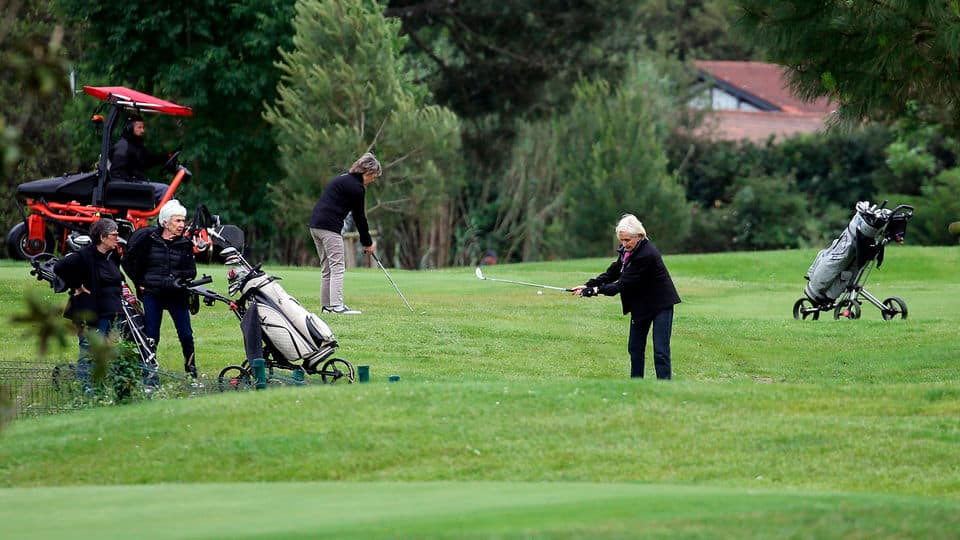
(612, 161)
(214, 57)
(33, 89)
(872, 58)
(345, 89)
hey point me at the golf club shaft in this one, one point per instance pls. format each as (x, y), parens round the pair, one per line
(392, 282)
(485, 278)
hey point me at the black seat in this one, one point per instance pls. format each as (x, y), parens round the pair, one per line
(71, 187)
(130, 195)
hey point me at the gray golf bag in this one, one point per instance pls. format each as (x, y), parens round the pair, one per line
(838, 273)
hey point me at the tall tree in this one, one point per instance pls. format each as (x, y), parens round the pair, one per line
(345, 89)
(215, 57)
(613, 161)
(873, 58)
(33, 89)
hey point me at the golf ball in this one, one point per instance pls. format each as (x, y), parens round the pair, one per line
(539, 293)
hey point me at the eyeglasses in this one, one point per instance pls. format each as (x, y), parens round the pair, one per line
(113, 234)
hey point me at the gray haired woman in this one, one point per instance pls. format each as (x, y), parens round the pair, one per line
(94, 278)
(646, 292)
(344, 194)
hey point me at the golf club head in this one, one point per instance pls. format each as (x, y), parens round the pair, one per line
(479, 273)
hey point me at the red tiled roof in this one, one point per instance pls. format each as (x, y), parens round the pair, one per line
(757, 127)
(766, 81)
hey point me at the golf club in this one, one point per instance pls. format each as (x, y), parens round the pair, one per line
(481, 276)
(394, 283)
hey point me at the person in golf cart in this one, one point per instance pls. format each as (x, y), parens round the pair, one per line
(344, 194)
(129, 157)
(646, 292)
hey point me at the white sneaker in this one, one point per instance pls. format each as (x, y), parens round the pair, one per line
(340, 310)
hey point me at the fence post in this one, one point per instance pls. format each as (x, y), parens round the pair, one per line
(260, 372)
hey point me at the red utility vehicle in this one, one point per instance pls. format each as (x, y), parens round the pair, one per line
(58, 210)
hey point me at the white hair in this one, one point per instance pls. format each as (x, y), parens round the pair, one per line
(631, 225)
(172, 208)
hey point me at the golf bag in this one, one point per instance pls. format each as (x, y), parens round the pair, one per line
(838, 273)
(272, 317)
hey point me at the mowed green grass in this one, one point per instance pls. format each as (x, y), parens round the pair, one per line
(514, 417)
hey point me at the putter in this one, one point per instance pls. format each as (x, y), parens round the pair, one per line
(394, 283)
(481, 276)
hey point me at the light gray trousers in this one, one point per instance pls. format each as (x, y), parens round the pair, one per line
(330, 249)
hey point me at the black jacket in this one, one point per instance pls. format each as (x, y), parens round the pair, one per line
(643, 283)
(99, 274)
(155, 265)
(129, 159)
(343, 194)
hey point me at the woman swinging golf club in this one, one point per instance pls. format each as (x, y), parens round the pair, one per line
(344, 194)
(646, 292)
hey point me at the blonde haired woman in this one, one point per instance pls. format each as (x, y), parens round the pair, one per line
(646, 292)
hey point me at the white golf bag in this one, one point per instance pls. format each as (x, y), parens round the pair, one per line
(292, 334)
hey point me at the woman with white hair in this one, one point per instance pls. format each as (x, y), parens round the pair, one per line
(158, 260)
(646, 292)
(344, 194)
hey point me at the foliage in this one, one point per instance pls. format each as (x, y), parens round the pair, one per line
(873, 58)
(935, 208)
(769, 213)
(693, 29)
(612, 162)
(345, 89)
(33, 89)
(216, 58)
(832, 171)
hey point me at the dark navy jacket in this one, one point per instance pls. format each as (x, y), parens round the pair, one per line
(99, 274)
(643, 282)
(342, 195)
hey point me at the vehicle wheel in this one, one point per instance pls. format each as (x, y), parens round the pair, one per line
(234, 378)
(804, 309)
(847, 309)
(19, 246)
(337, 369)
(894, 306)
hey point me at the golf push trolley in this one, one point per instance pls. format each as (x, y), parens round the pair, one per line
(837, 276)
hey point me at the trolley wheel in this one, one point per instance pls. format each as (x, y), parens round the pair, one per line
(336, 369)
(894, 306)
(847, 309)
(234, 378)
(805, 308)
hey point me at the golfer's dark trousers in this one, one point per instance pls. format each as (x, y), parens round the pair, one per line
(662, 328)
(153, 308)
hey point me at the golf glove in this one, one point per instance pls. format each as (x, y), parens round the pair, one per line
(589, 291)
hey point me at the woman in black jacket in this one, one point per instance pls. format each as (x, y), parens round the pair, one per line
(344, 194)
(94, 278)
(646, 292)
(159, 260)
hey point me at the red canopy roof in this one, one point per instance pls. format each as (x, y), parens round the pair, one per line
(131, 99)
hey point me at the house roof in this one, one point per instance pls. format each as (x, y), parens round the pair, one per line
(759, 126)
(767, 83)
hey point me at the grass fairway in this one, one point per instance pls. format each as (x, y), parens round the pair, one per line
(514, 417)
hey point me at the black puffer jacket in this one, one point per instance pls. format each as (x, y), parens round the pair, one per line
(155, 265)
(96, 272)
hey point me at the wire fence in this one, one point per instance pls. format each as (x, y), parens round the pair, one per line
(42, 388)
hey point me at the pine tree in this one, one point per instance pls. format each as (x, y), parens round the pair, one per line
(345, 90)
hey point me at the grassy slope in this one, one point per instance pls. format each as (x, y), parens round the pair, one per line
(500, 384)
